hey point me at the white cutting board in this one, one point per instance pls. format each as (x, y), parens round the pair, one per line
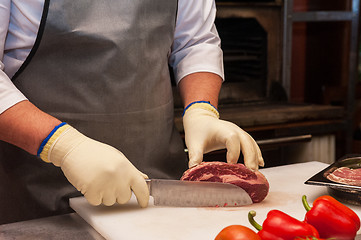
(130, 222)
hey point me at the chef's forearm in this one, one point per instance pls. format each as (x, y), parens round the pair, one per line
(25, 126)
(201, 86)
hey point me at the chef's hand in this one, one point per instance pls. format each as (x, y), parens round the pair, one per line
(102, 173)
(205, 132)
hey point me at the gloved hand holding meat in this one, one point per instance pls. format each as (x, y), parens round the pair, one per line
(205, 132)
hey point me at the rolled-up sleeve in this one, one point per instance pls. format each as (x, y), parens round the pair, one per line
(9, 94)
(196, 46)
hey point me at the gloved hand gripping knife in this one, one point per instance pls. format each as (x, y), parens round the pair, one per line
(101, 172)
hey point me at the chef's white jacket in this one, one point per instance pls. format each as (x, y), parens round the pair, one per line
(196, 47)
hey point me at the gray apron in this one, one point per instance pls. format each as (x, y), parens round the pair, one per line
(102, 67)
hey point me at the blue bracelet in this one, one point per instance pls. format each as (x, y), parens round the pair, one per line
(208, 102)
(48, 137)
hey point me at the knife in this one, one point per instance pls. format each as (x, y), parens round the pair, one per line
(178, 193)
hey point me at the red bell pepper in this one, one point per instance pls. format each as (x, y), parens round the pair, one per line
(280, 226)
(311, 238)
(331, 218)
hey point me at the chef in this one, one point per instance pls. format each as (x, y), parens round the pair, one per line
(86, 100)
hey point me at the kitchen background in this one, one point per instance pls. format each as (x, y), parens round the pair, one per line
(292, 79)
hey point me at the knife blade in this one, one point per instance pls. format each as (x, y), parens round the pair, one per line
(177, 193)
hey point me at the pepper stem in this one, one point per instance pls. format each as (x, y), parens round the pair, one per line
(305, 203)
(251, 215)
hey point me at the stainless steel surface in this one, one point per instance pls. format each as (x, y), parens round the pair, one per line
(69, 227)
(196, 194)
(302, 138)
(343, 192)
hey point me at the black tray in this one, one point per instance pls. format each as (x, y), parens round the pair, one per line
(342, 192)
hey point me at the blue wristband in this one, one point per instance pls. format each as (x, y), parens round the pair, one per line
(208, 102)
(48, 137)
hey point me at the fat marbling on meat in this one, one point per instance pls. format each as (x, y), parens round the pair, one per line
(346, 175)
(254, 183)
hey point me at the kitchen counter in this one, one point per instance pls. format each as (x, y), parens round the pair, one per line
(131, 222)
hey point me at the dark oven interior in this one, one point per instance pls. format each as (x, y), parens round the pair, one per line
(244, 44)
(250, 32)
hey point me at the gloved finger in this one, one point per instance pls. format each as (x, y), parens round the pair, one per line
(233, 148)
(123, 195)
(195, 156)
(250, 161)
(93, 198)
(141, 191)
(145, 176)
(109, 198)
(249, 151)
(260, 158)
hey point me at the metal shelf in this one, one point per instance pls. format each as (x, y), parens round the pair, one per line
(328, 16)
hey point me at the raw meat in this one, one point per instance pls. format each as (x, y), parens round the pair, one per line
(346, 175)
(254, 183)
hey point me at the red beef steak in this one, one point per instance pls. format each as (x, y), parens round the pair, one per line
(254, 183)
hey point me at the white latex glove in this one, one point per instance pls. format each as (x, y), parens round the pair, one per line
(205, 132)
(101, 172)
